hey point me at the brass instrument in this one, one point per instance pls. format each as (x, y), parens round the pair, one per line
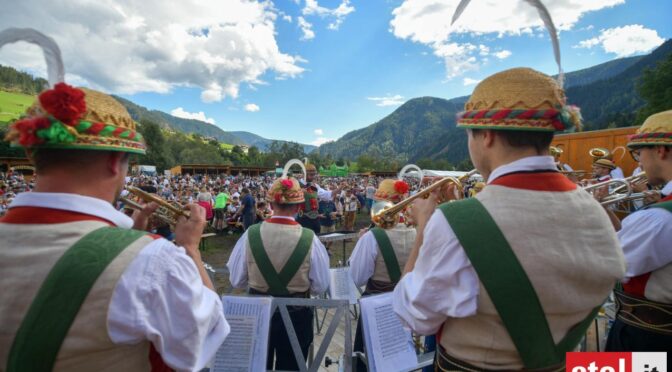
(641, 177)
(555, 151)
(386, 215)
(166, 212)
(613, 197)
(132, 205)
(603, 153)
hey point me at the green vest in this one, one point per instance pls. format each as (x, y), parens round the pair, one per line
(278, 281)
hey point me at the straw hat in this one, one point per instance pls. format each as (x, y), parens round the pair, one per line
(76, 118)
(391, 190)
(519, 99)
(656, 130)
(285, 191)
(606, 163)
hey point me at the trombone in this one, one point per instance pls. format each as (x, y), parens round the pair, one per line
(613, 197)
(386, 214)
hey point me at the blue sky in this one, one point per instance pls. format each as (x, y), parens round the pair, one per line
(311, 71)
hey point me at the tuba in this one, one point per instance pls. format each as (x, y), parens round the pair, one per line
(603, 153)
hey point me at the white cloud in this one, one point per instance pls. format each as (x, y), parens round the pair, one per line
(624, 41)
(251, 107)
(428, 22)
(306, 28)
(468, 81)
(287, 18)
(388, 100)
(129, 46)
(180, 113)
(318, 132)
(502, 54)
(321, 140)
(338, 14)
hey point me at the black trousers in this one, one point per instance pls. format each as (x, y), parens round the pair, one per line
(359, 346)
(309, 223)
(624, 337)
(279, 346)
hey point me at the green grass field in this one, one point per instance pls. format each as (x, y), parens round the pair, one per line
(12, 105)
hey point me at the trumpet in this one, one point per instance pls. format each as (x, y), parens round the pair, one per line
(132, 205)
(386, 214)
(166, 212)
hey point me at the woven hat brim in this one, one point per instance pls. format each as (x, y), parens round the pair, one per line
(520, 128)
(77, 146)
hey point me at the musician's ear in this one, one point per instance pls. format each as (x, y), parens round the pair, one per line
(489, 137)
(117, 162)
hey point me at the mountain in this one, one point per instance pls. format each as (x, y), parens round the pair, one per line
(262, 143)
(599, 72)
(613, 101)
(425, 127)
(183, 125)
(404, 133)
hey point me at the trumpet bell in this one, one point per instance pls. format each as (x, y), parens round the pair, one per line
(382, 219)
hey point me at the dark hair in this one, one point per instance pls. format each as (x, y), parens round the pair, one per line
(245, 190)
(45, 159)
(539, 140)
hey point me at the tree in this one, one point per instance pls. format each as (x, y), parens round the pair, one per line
(656, 89)
(157, 151)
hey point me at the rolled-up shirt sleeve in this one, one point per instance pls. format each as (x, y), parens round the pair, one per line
(443, 283)
(162, 299)
(319, 267)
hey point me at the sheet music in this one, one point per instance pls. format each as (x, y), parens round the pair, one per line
(341, 286)
(246, 347)
(389, 347)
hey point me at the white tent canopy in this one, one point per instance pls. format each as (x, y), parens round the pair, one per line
(441, 173)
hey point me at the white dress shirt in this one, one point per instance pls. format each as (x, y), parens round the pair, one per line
(319, 263)
(322, 193)
(646, 236)
(160, 296)
(617, 173)
(443, 268)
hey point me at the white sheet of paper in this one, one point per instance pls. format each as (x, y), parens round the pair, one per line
(246, 347)
(341, 286)
(389, 347)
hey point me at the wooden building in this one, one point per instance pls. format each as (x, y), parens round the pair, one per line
(577, 145)
(211, 169)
